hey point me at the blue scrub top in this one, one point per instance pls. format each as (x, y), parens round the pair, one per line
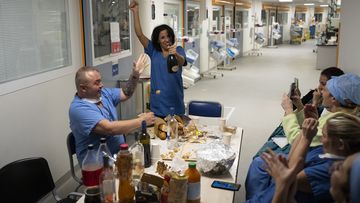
(84, 116)
(166, 88)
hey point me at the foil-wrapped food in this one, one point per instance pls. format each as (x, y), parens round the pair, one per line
(215, 158)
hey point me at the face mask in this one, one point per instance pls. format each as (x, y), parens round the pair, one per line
(93, 101)
(331, 156)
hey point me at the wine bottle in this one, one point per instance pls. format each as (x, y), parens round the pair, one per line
(172, 64)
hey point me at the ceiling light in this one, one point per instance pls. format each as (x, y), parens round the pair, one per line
(285, 0)
(239, 4)
(324, 5)
(309, 4)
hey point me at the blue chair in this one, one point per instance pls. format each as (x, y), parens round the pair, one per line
(29, 180)
(205, 108)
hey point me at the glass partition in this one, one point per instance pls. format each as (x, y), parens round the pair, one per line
(193, 26)
(110, 21)
(173, 17)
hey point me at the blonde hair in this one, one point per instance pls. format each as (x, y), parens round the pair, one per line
(347, 128)
(80, 77)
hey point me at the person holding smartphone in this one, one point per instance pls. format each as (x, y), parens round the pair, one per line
(166, 88)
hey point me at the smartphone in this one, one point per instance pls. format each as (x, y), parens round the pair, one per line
(293, 87)
(225, 185)
(292, 90)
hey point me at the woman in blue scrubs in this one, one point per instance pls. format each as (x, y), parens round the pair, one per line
(166, 88)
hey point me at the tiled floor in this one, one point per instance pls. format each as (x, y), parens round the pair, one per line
(255, 89)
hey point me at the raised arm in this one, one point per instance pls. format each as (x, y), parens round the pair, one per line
(130, 86)
(134, 7)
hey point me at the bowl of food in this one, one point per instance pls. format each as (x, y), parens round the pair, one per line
(215, 158)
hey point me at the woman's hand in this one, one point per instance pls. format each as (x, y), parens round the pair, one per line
(296, 99)
(310, 111)
(316, 100)
(309, 128)
(134, 6)
(286, 104)
(172, 49)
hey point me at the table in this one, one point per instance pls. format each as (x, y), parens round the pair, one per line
(209, 194)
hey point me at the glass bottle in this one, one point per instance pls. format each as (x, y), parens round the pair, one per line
(124, 164)
(104, 148)
(172, 64)
(172, 130)
(194, 186)
(107, 183)
(137, 151)
(165, 189)
(145, 141)
(91, 167)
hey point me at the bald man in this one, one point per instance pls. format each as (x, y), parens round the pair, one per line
(93, 112)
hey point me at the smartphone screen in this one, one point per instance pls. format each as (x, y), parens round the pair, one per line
(225, 185)
(292, 90)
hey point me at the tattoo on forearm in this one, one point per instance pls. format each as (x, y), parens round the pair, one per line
(131, 85)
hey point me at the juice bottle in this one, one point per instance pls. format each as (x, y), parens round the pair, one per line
(194, 187)
(124, 163)
(91, 167)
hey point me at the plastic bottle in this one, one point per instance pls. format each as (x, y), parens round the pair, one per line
(172, 64)
(91, 167)
(194, 186)
(107, 183)
(145, 141)
(124, 164)
(137, 151)
(104, 148)
(172, 127)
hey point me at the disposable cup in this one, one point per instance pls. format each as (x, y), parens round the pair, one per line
(227, 138)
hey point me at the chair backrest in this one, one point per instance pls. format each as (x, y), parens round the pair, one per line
(25, 180)
(70, 143)
(205, 108)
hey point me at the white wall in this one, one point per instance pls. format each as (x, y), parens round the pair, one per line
(349, 59)
(34, 120)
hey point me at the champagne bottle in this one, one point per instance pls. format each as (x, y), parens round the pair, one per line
(172, 64)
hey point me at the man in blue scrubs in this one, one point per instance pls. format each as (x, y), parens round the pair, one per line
(93, 112)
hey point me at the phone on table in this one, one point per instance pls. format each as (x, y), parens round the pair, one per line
(293, 87)
(225, 185)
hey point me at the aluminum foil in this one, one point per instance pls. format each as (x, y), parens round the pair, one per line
(215, 158)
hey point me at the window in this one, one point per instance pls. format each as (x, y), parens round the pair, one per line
(193, 26)
(173, 17)
(300, 16)
(110, 20)
(318, 17)
(36, 38)
(282, 18)
(216, 24)
(241, 19)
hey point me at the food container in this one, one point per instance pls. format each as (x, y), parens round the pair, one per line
(215, 158)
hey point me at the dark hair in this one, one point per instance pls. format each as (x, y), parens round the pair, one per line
(332, 71)
(156, 33)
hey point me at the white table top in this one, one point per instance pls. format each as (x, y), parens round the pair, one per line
(209, 194)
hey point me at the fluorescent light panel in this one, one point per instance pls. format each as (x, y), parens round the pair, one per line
(309, 4)
(324, 5)
(285, 0)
